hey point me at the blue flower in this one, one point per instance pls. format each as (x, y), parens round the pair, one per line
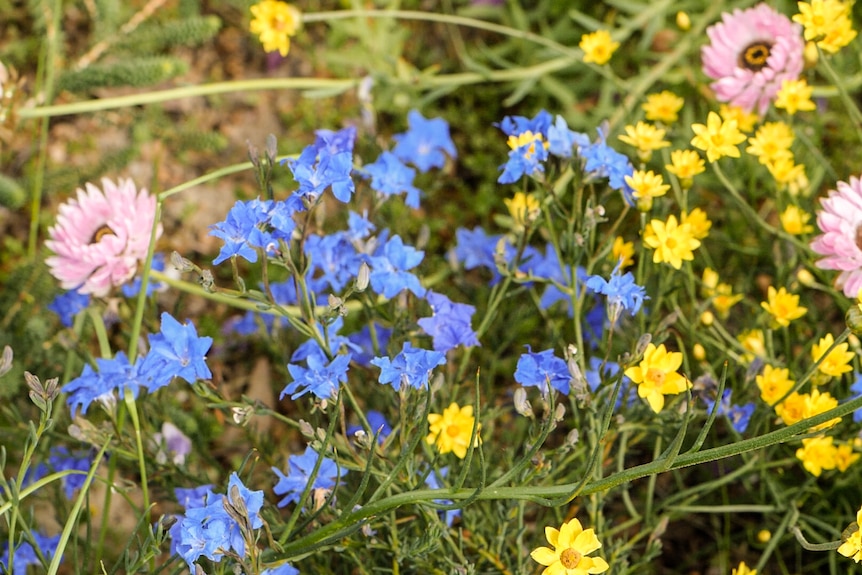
(194, 496)
(176, 351)
(24, 555)
(539, 369)
(244, 220)
(604, 161)
(334, 341)
(738, 415)
(317, 169)
(562, 141)
(334, 261)
(621, 290)
(474, 248)
(358, 227)
(207, 530)
(390, 177)
(364, 345)
(432, 482)
(377, 422)
(450, 324)
(424, 144)
(514, 125)
(68, 304)
(131, 289)
(856, 388)
(412, 366)
(320, 378)
(115, 374)
(61, 459)
(330, 143)
(299, 468)
(389, 275)
(525, 157)
(283, 569)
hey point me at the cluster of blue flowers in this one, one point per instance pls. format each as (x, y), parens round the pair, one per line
(300, 470)
(533, 139)
(61, 459)
(25, 554)
(176, 351)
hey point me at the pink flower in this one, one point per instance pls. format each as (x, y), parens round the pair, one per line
(750, 53)
(840, 220)
(100, 237)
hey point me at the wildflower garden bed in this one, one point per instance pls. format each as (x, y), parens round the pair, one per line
(430, 287)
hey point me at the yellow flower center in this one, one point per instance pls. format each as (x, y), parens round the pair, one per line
(103, 231)
(754, 56)
(453, 431)
(570, 558)
(656, 376)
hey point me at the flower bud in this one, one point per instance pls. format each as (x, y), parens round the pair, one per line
(805, 277)
(763, 536)
(522, 405)
(699, 352)
(683, 22)
(853, 318)
(362, 277)
(707, 318)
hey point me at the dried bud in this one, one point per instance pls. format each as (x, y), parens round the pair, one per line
(572, 438)
(6, 361)
(643, 342)
(362, 277)
(271, 148)
(241, 415)
(306, 429)
(207, 281)
(559, 412)
(181, 263)
(522, 405)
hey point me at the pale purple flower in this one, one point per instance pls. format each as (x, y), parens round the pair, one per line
(840, 220)
(751, 52)
(172, 443)
(100, 237)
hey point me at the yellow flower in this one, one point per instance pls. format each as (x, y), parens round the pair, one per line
(698, 221)
(622, 250)
(784, 307)
(817, 454)
(717, 138)
(662, 107)
(771, 142)
(774, 382)
(743, 569)
(844, 457)
(524, 208)
(795, 221)
(745, 121)
(646, 186)
(671, 241)
(788, 174)
(795, 95)
(685, 165)
(524, 138)
(724, 300)
(817, 403)
(275, 22)
(452, 430)
(571, 546)
(710, 282)
(792, 409)
(753, 343)
(826, 21)
(656, 375)
(838, 360)
(852, 545)
(598, 46)
(646, 138)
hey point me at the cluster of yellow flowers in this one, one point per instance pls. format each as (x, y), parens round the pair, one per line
(828, 22)
(817, 453)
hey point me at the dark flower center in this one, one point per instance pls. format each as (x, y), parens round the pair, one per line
(103, 231)
(754, 56)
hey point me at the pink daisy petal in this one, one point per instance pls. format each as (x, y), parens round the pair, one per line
(840, 220)
(751, 52)
(101, 236)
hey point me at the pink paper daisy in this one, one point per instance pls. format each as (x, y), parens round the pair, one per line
(750, 53)
(100, 237)
(840, 220)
